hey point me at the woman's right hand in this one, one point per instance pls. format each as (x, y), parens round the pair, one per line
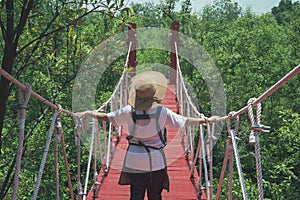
(84, 114)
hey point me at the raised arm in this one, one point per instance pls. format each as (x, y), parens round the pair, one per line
(98, 115)
(192, 121)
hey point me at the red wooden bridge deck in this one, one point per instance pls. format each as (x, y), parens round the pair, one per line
(181, 187)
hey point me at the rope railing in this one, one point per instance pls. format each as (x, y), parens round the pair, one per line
(33, 94)
(267, 93)
(106, 146)
(23, 101)
(188, 109)
(114, 102)
(105, 138)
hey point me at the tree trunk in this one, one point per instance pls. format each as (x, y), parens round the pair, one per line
(7, 64)
(9, 56)
(11, 37)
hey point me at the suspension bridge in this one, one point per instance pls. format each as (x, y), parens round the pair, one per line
(189, 158)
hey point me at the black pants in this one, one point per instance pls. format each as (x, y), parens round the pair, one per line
(152, 182)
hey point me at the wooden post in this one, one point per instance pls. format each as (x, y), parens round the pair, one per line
(131, 41)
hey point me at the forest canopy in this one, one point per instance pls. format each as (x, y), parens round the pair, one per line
(44, 43)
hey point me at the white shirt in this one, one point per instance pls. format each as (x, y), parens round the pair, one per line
(137, 157)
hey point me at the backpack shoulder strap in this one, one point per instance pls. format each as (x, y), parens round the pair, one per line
(162, 136)
(156, 115)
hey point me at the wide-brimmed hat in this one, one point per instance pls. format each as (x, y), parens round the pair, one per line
(147, 90)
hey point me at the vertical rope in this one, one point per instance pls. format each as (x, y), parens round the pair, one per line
(200, 161)
(96, 128)
(177, 91)
(120, 106)
(103, 157)
(41, 170)
(204, 159)
(95, 123)
(23, 101)
(255, 134)
(60, 131)
(227, 153)
(100, 149)
(230, 169)
(210, 161)
(238, 164)
(105, 142)
(57, 139)
(89, 164)
(108, 147)
(77, 140)
(190, 137)
(252, 120)
(258, 168)
(197, 185)
(222, 172)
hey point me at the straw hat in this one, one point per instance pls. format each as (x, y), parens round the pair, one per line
(147, 90)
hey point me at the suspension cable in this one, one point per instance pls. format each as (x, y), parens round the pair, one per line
(77, 140)
(56, 171)
(38, 181)
(23, 101)
(183, 84)
(256, 102)
(61, 133)
(254, 139)
(238, 163)
(209, 146)
(89, 163)
(228, 153)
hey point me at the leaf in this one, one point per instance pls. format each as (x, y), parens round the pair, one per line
(121, 3)
(111, 6)
(11, 98)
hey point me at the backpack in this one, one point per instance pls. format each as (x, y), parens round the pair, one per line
(144, 116)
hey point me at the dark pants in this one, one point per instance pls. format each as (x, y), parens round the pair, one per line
(151, 181)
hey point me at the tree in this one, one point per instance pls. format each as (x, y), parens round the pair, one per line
(38, 38)
(16, 17)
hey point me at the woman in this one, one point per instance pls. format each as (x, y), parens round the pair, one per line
(144, 167)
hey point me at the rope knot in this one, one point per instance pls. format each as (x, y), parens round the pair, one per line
(251, 100)
(24, 98)
(59, 108)
(252, 139)
(231, 115)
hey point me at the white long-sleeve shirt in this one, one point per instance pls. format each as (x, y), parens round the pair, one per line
(137, 157)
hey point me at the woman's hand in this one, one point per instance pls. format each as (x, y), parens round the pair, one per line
(95, 114)
(84, 114)
(213, 119)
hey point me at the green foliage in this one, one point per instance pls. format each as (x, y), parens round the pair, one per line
(57, 37)
(282, 160)
(252, 52)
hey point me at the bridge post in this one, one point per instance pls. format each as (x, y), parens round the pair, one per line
(174, 38)
(131, 41)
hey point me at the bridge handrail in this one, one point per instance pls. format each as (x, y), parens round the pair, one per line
(119, 94)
